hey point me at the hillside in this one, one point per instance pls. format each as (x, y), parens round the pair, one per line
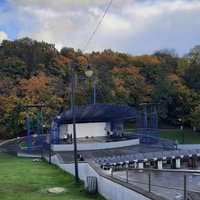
(33, 72)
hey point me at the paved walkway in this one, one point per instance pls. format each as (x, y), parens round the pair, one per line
(10, 146)
(188, 146)
(141, 148)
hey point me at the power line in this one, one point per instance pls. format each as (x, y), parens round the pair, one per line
(98, 25)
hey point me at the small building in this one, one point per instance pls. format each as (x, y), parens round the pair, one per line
(93, 120)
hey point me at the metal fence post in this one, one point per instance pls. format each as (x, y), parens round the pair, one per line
(50, 139)
(127, 175)
(185, 188)
(149, 182)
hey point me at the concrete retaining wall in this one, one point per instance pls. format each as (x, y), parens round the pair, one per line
(106, 186)
(94, 146)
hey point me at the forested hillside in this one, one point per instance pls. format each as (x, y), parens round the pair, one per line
(33, 72)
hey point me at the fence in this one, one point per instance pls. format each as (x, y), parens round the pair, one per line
(168, 183)
(159, 142)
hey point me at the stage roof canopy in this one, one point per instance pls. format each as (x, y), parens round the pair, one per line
(99, 113)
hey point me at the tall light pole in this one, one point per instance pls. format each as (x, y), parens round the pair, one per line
(181, 128)
(88, 73)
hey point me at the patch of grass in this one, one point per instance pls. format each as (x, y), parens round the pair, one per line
(1, 141)
(23, 179)
(23, 144)
(182, 136)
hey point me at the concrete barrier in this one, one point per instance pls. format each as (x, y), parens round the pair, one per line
(108, 186)
(94, 146)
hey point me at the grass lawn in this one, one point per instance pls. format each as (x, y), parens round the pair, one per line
(183, 136)
(1, 141)
(23, 179)
(23, 143)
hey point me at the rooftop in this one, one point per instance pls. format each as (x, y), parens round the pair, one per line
(100, 113)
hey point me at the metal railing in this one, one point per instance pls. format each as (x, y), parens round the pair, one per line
(179, 182)
(159, 142)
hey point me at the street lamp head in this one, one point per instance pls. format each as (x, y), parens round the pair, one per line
(89, 71)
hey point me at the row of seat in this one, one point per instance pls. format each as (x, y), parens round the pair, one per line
(146, 157)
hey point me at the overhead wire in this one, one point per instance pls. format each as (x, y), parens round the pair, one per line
(100, 21)
(104, 95)
(101, 90)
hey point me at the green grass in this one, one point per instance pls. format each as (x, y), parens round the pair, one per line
(1, 141)
(23, 144)
(186, 136)
(183, 136)
(23, 179)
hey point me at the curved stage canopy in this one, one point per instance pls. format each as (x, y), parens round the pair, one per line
(99, 113)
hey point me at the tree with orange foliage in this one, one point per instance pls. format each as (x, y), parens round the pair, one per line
(130, 85)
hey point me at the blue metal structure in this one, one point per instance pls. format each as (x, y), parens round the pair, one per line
(28, 130)
(94, 87)
(54, 132)
(115, 114)
(34, 129)
(149, 122)
(99, 112)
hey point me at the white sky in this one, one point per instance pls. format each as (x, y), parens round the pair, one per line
(130, 26)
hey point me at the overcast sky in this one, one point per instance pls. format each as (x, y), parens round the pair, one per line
(130, 26)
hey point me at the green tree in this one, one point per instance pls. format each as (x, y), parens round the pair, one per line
(149, 67)
(13, 67)
(33, 53)
(193, 56)
(182, 67)
(169, 58)
(192, 75)
(161, 92)
(183, 102)
(68, 52)
(195, 117)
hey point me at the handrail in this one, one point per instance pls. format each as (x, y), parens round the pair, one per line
(113, 168)
(149, 179)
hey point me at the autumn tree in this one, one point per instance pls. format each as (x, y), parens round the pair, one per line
(68, 52)
(10, 108)
(130, 86)
(148, 65)
(33, 72)
(167, 57)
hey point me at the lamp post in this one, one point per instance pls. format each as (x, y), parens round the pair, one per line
(88, 73)
(181, 128)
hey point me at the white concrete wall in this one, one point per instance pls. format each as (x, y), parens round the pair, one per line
(63, 129)
(94, 146)
(84, 129)
(188, 146)
(107, 188)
